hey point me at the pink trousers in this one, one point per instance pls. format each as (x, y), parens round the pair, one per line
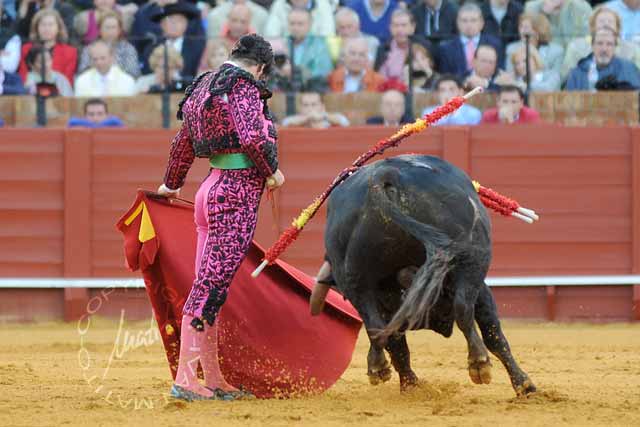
(226, 213)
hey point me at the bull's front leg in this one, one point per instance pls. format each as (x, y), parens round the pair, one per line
(478, 360)
(487, 317)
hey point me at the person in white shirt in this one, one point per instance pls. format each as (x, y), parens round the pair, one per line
(104, 78)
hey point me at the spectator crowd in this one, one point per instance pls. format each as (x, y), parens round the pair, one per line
(104, 48)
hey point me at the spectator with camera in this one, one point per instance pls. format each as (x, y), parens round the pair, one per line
(41, 78)
(602, 69)
(105, 77)
(510, 108)
(112, 33)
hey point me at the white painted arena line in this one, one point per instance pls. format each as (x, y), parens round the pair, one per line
(524, 281)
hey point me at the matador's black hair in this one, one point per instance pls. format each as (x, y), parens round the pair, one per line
(254, 48)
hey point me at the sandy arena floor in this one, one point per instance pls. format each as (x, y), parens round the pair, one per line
(587, 374)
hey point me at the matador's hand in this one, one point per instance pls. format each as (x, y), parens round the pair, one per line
(165, 191)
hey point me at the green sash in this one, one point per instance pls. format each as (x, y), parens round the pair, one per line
(230, 161)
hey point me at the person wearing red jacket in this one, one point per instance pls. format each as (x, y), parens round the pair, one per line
(48, 29)
(510, 108)
(226, 119)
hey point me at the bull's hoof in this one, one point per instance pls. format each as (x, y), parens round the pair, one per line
(480, 371)
(526, 388)
(380, 376)
(408, 381)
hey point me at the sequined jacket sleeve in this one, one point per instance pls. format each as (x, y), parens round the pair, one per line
(256, 132)
(181, 158)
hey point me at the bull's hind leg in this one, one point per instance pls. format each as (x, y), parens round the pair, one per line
(463, 306)
(401, 360)
(494, 339)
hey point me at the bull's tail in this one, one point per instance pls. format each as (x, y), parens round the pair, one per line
(427, 284)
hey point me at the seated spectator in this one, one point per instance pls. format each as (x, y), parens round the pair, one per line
(501, 19)
(112, 33)
(568, 18)
(322, 23)
(10, 83)
(539, 30)
(435, 19)
(510, 108)
(356, 74)
(392, 55)
(347, 26)
(95, 116)
(54, 83)
(29, 8)
(602, 69)
(10, 42)
(146, 33)
(237, 25)
(375, 16)
(457, 55)
(310, 52)
(602, 17)
(313, 114)
(218, 17)
(216, 55)
(105, 77)
(174, 20)
(392, 110)
(48, 29)
(423, 74)
(448, 87)
(484, 69)
(87, 23)
(629, 13)
(155, 82)
(542, 80)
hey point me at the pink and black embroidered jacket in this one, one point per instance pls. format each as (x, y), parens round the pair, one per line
(223, 112)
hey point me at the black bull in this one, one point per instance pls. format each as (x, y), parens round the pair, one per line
(409, 244)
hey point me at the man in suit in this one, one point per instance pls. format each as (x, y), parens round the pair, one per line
(104, 78)
(456, 55)
(174, 20)
(435, 19)
(392, 110)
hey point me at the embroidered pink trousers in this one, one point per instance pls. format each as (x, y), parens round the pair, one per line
(226, 213)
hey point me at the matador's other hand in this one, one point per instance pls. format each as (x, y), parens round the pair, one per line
(165, 191)
(276, 180)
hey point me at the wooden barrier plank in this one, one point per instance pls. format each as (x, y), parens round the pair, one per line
(77, 217)
(635, 203)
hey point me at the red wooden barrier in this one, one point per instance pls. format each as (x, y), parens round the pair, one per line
(64, 189)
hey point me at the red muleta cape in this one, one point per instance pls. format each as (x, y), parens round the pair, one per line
(268, 341)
